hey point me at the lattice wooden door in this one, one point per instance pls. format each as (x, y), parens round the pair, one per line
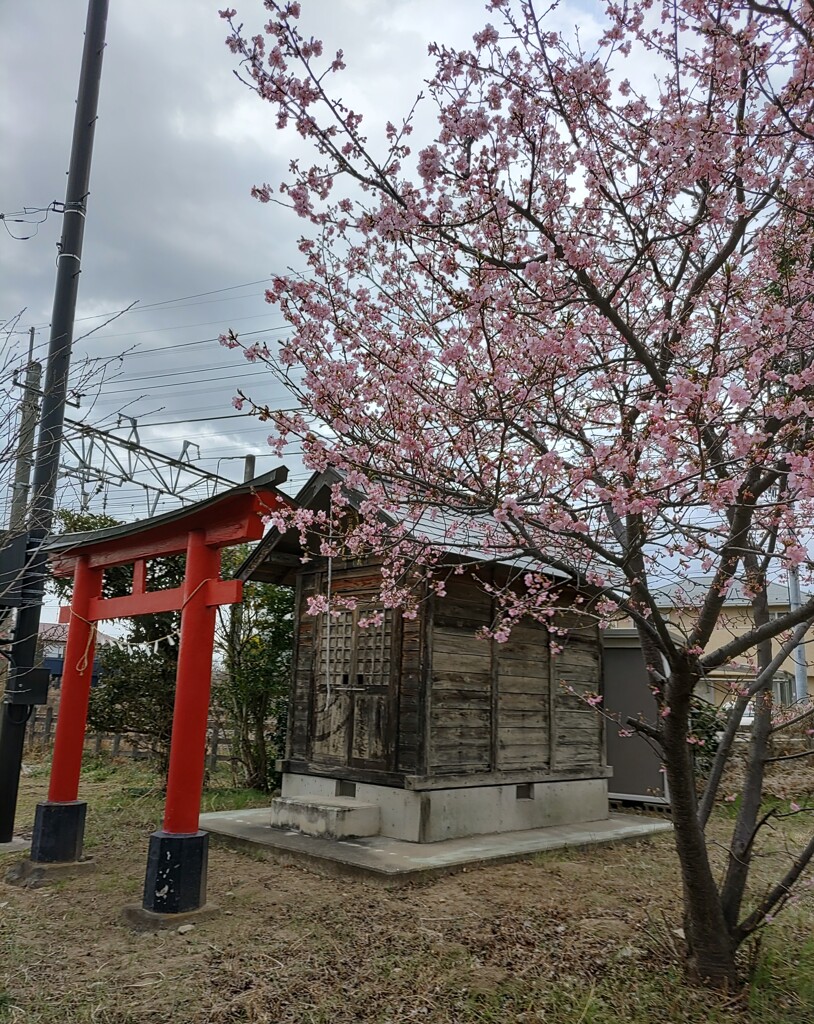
(352, 688)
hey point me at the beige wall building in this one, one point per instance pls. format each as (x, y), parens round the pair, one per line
(680, 604)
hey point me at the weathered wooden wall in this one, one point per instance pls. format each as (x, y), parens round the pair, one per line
(514, 706)
(460, 719)
(438, 699)
(579, 728)
(523, 708)
(344, 705)
(299, 711)
(410, 740)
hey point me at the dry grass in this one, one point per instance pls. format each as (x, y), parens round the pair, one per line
(582, 938)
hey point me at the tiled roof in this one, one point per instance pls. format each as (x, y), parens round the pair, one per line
(455, 533)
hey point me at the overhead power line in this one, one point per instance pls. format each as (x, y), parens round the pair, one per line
(175, 384)
(202, 341)
(163, 302)
(199, 419)
(231, 365)
(180, 327)
(136, 353)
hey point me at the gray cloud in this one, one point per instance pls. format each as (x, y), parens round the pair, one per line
(179, 144)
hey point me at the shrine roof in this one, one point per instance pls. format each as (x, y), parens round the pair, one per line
(461, 536)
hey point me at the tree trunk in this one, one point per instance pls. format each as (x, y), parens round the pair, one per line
(740, 848)
(710, 947)
(251, 740)
(710, 944)
(261, 765)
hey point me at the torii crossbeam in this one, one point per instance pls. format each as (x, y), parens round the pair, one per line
(177, 859)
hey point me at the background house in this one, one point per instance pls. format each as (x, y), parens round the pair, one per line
(637, 766)
(52, 639)
(680, 603)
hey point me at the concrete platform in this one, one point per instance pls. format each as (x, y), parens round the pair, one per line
(394, 862)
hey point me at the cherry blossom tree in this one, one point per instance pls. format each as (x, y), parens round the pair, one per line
(577, 325)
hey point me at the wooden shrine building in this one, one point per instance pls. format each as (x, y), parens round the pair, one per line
(434, 731)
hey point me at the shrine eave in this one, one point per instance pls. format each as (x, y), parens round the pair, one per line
(230, 517)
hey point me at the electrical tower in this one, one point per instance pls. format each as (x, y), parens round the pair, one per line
(104, 459)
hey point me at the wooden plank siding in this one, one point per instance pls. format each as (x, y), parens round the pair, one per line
(440, 700)
(461, 702)
(410, 732)
(504, 707)
(578, 728)
(303, 670)
(523, 711)
(460, 719)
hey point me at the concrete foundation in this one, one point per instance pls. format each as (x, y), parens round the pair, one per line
(16, 845)
(338, 817)
(434, 815)
(32, 875)
(141, 920)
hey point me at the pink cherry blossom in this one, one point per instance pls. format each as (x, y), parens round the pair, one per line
(571, 334)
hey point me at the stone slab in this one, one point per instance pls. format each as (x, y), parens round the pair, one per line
(15, 846)
(141, 920)
(338, 817)
(33, 875)
(394, 862)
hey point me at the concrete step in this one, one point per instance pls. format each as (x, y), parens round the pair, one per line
(339, 817)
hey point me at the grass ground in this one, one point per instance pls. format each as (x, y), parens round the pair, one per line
(569, 938)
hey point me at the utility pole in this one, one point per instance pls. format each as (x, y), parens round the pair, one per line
(798, 655)
(29, 408)
(25, 686)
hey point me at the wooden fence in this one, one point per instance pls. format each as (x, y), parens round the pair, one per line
(42, 726)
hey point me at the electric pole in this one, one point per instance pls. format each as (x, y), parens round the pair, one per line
(29, 407)
(25, 684)
(798, 655)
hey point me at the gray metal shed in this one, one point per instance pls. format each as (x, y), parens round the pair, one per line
(636, 764)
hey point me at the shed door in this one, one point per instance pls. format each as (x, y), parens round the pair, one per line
(353, 704)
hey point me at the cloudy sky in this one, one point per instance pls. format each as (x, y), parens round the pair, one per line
(179, 143)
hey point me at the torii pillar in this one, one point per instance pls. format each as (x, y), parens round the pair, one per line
(175, 880)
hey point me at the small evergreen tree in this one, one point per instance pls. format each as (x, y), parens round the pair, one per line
(256, 640)
(135, 694)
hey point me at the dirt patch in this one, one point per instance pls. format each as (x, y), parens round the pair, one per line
(567, 936)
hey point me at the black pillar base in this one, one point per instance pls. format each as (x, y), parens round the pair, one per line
(59, 832)
(176, 873)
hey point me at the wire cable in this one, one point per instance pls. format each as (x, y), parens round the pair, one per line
(203, 341)
(162, 302)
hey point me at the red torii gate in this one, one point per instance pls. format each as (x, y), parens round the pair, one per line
(176, 866)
